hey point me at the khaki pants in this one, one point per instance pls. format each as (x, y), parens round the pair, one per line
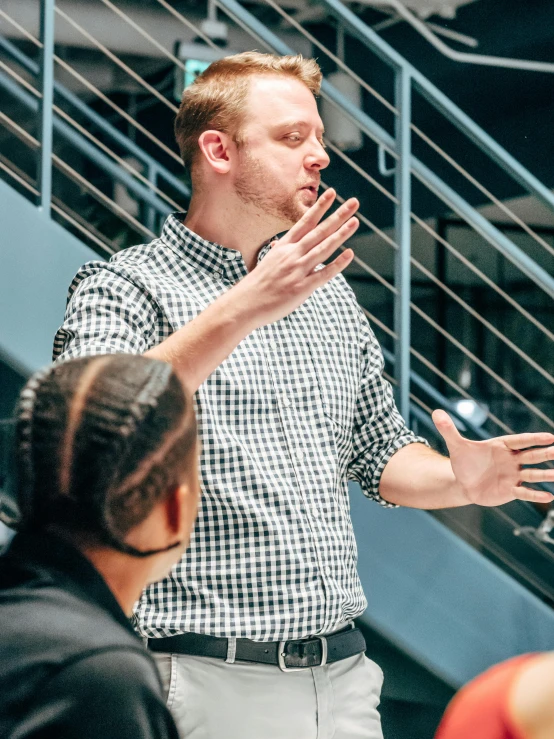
(211, 699)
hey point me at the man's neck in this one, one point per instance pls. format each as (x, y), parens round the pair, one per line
(231, 225)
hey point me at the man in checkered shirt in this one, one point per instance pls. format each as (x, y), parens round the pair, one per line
(253, 629)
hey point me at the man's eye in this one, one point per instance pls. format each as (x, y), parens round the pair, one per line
(293, 137)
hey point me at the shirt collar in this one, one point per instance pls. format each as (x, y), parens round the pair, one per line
(205, 254)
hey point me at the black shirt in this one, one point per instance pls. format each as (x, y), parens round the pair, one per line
(71, 666)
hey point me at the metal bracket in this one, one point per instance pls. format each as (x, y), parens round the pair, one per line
(382, 162)
(542, 532)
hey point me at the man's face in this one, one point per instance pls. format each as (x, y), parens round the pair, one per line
(279, 161)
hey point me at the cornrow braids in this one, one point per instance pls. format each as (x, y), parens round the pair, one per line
(100, 440)
(24, 449)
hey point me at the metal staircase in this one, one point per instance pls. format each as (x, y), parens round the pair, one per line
(445, 255)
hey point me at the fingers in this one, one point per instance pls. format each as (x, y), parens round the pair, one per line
(536, 456)
(533, 496)
(330, 226)
(524, 441)
(446, 428)
(536, 475)
(332, 269)
(329, 245)
(311, 218)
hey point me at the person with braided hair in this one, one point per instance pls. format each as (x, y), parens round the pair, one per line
(107, 493)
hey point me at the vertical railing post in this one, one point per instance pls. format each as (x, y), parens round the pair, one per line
(403, 94)
(44, 174)
(150, 212)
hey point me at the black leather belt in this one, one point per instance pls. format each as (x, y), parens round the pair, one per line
(295, 654)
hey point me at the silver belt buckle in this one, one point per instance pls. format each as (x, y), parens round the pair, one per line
(281, 656)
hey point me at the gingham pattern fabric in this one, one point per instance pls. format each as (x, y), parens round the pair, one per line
(299, 408)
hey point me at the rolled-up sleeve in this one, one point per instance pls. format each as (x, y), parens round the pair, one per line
(106, 313)
(379, 429)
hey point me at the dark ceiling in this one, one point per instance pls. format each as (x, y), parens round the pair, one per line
(516, 107)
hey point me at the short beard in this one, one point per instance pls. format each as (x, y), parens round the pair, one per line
(253, 188)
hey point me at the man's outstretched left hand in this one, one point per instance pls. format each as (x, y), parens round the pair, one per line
(495, 471)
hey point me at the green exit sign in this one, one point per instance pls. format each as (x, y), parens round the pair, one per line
(185, 77)
(193, 67)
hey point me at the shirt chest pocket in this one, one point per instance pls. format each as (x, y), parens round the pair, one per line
(336, 367)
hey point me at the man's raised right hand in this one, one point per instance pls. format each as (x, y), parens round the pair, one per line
(287, 275)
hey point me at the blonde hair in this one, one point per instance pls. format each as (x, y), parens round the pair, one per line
(216, 99)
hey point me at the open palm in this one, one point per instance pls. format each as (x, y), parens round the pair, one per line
(494, 471)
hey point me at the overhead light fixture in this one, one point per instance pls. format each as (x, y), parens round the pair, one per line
(472, 411)
(216, 31)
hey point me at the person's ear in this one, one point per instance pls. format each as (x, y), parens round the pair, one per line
(216, 148)
(180, 509)
(173, 509)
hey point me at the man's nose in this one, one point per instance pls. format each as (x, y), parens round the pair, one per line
(318, 157)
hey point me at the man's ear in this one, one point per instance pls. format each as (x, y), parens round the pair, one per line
(216, 148)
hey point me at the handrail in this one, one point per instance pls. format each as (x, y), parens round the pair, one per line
(442, 402)
(486, 192)
(439, 399)
(116, 171)
(106, 128)
(400, 151)
(436, 371)
(436, 236)
(336, 59)
(117, 61)
(160, 207)
(372, 129)
(172, 154)
(58, 206)
(46, 85)
(504, 159)
(82, 181)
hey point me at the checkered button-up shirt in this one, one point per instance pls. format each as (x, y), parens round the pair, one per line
(298, 408)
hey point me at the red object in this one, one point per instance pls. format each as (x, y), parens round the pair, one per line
(480, 710)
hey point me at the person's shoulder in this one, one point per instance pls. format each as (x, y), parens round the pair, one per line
(110, 692)
(531, 699)
(135, 256)
(129, 268)
(117, 672)
(122, 262)
(47, 620)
